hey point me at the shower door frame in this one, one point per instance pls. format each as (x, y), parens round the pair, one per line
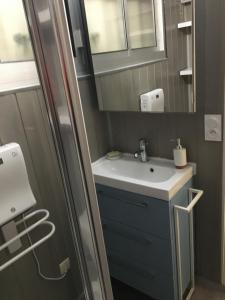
(223, 203)
(49, 31)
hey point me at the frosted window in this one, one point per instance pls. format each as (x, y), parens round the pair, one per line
(141, 23)
(15, 44)
(105, 25)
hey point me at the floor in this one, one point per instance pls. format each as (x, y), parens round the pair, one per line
(124, 292)
(205, 290)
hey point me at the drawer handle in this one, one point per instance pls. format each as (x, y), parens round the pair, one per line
(138, 204)
(127, 235)
(122, 263)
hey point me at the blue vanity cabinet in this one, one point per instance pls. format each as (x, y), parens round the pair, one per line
(139, 234)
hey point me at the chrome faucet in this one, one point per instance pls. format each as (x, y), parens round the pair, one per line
(142, 152)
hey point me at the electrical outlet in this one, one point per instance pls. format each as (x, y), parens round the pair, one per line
(64, 266)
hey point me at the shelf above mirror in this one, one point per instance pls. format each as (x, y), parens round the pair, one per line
(187, 24)
(186, 1)
(186, 72)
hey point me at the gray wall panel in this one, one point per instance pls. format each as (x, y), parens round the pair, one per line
(23, 119)
(95, 121)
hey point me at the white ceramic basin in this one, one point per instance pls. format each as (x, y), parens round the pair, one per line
(156, 178)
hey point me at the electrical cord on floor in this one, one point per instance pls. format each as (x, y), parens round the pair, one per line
(38, 263)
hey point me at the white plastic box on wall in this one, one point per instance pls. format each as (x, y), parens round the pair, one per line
(213, 128)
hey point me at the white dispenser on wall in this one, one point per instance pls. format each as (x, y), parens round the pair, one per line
(153, 101)
(16, 197)
(180, 155)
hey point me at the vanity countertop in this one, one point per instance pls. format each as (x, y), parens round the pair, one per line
(156, 178)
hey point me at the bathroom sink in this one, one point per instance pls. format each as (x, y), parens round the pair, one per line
(156, 178)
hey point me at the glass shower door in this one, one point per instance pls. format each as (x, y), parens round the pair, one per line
(41, 112)
(54, 53)
(25, 120)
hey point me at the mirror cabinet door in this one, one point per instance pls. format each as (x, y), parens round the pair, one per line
(143, 53)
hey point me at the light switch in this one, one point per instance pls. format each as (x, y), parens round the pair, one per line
(213, 128)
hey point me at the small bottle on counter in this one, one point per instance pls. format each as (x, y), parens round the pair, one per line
(180, 156)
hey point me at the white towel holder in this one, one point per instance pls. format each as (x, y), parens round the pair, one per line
(189, 211)
(42, 221)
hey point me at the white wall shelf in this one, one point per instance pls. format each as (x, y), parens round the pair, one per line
(187, 24)
(185, 27)
(186, 72)
(186, 1)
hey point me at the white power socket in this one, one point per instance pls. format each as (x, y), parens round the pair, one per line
(64, 266)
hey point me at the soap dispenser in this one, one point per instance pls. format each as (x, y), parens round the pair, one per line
(180, 156)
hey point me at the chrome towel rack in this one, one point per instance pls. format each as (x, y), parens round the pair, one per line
(188, 210)
(43, 221)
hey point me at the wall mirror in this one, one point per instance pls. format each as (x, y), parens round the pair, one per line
(142, 54)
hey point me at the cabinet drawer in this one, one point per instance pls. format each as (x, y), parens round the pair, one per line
(141, 248)
(146, 214)
(153, 283)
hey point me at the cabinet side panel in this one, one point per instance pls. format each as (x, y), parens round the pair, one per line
(182, 199)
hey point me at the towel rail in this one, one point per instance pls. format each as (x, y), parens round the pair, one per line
(188, 210)
(41, 222)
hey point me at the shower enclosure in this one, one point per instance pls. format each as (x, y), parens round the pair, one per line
(47, 121)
